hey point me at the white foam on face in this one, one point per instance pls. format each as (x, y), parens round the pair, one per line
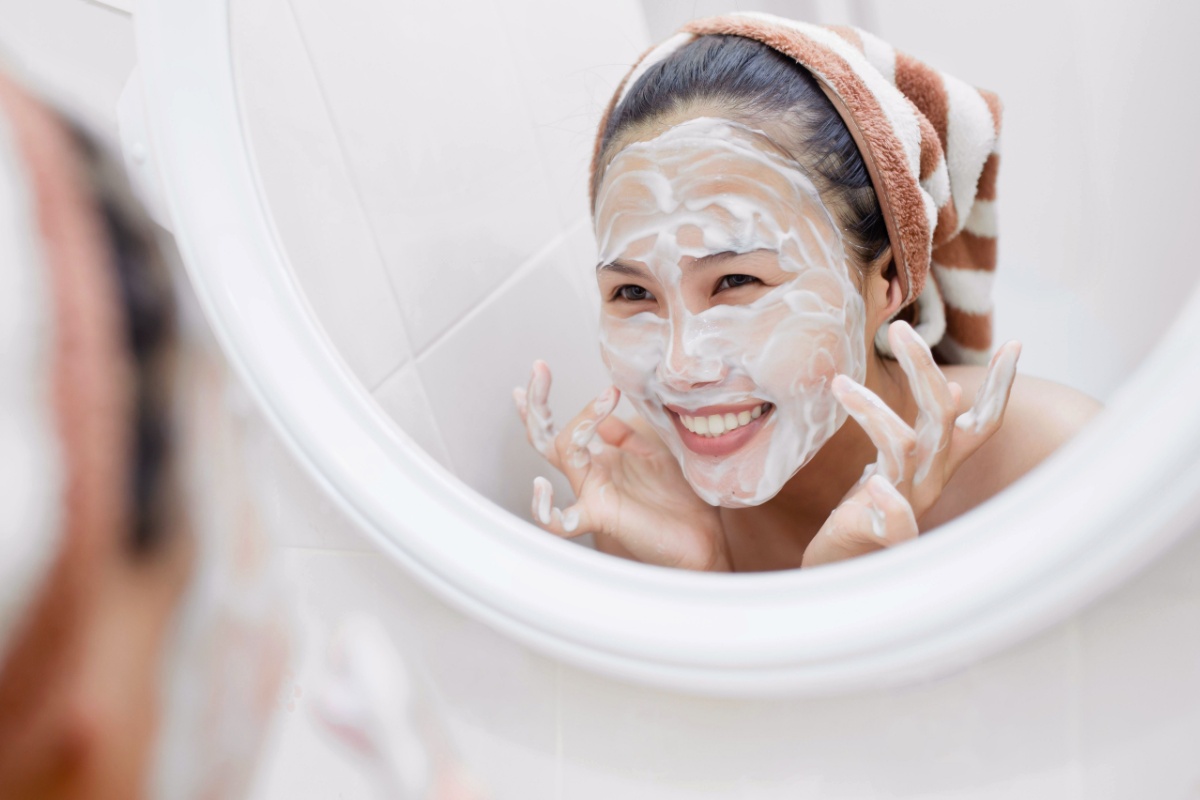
(30, 458)
(711, 186)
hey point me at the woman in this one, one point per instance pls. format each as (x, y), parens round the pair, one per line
(141, 641)
(768, 196)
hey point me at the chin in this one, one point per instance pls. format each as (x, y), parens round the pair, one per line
(733, 482)
(728, 491)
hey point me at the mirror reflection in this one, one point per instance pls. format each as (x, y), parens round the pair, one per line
(759, 209)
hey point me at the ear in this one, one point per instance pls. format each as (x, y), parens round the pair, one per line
(884, 294)
(895, 292)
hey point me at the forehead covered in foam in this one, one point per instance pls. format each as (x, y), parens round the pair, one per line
(731, 183)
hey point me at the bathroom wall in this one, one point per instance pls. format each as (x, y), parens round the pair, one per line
(79, 51)
(430, 193)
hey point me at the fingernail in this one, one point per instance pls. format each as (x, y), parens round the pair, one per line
(570, 520)
(605, 402)
(878, 521)
(881, 489)
(542, 494)
(583, 433)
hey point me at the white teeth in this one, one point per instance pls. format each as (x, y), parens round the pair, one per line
(718, 424)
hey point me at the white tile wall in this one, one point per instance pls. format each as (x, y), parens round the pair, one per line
(1139, 684)
(440, 143)
(1001, 729)
(1139, 122)
(402, 396)
(80, 51)
(566, 81)
(548, 311)
(312, 199)
(664, 17)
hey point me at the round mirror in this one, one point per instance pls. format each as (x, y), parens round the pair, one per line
(386, 226)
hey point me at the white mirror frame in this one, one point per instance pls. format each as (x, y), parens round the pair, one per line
(1098, 512)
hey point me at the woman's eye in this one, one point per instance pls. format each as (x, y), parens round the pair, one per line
(734, 281)
(633, 293)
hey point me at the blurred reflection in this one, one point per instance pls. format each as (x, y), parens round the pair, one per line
(140, 633)
(376, 705)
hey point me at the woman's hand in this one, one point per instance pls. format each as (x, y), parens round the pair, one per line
(629, 488)
(914, 463)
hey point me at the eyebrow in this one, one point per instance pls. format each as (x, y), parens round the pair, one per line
(628, 269)
(624, 269)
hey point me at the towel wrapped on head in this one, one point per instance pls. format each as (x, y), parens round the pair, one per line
(930, 144)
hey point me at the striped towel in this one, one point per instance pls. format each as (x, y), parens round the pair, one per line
(930, 143)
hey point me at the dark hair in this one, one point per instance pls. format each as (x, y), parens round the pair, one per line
(148, 306)
(753, 84)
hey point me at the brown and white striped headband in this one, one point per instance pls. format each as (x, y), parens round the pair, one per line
(930, 143)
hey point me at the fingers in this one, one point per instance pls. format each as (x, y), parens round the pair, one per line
(615, 431)
(567, 523)
(985, 415)
(875, 517)
(533, 404)
(894, 440)
(892, 518)
(955, 393)
(936, 402)
(575, 445)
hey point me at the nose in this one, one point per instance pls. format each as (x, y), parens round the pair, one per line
(691, 357)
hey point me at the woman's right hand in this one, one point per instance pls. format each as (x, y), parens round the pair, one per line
(628, 487)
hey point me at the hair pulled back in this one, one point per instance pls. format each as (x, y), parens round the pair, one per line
(754, 84)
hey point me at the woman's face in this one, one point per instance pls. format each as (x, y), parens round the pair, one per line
(727, 305)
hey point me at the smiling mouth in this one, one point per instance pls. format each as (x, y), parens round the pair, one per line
(712, 426)
(721, 431)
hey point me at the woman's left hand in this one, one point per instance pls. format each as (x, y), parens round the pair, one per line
(915, 462)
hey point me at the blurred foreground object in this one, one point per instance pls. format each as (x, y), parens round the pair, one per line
(141, 633)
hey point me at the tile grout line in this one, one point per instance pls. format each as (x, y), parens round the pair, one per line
(436, 425)
(353, 179)
(514, 277)
(391, 373)
(543, 167)
(341, 149)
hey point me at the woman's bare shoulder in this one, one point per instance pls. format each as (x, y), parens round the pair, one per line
(1041, 417)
